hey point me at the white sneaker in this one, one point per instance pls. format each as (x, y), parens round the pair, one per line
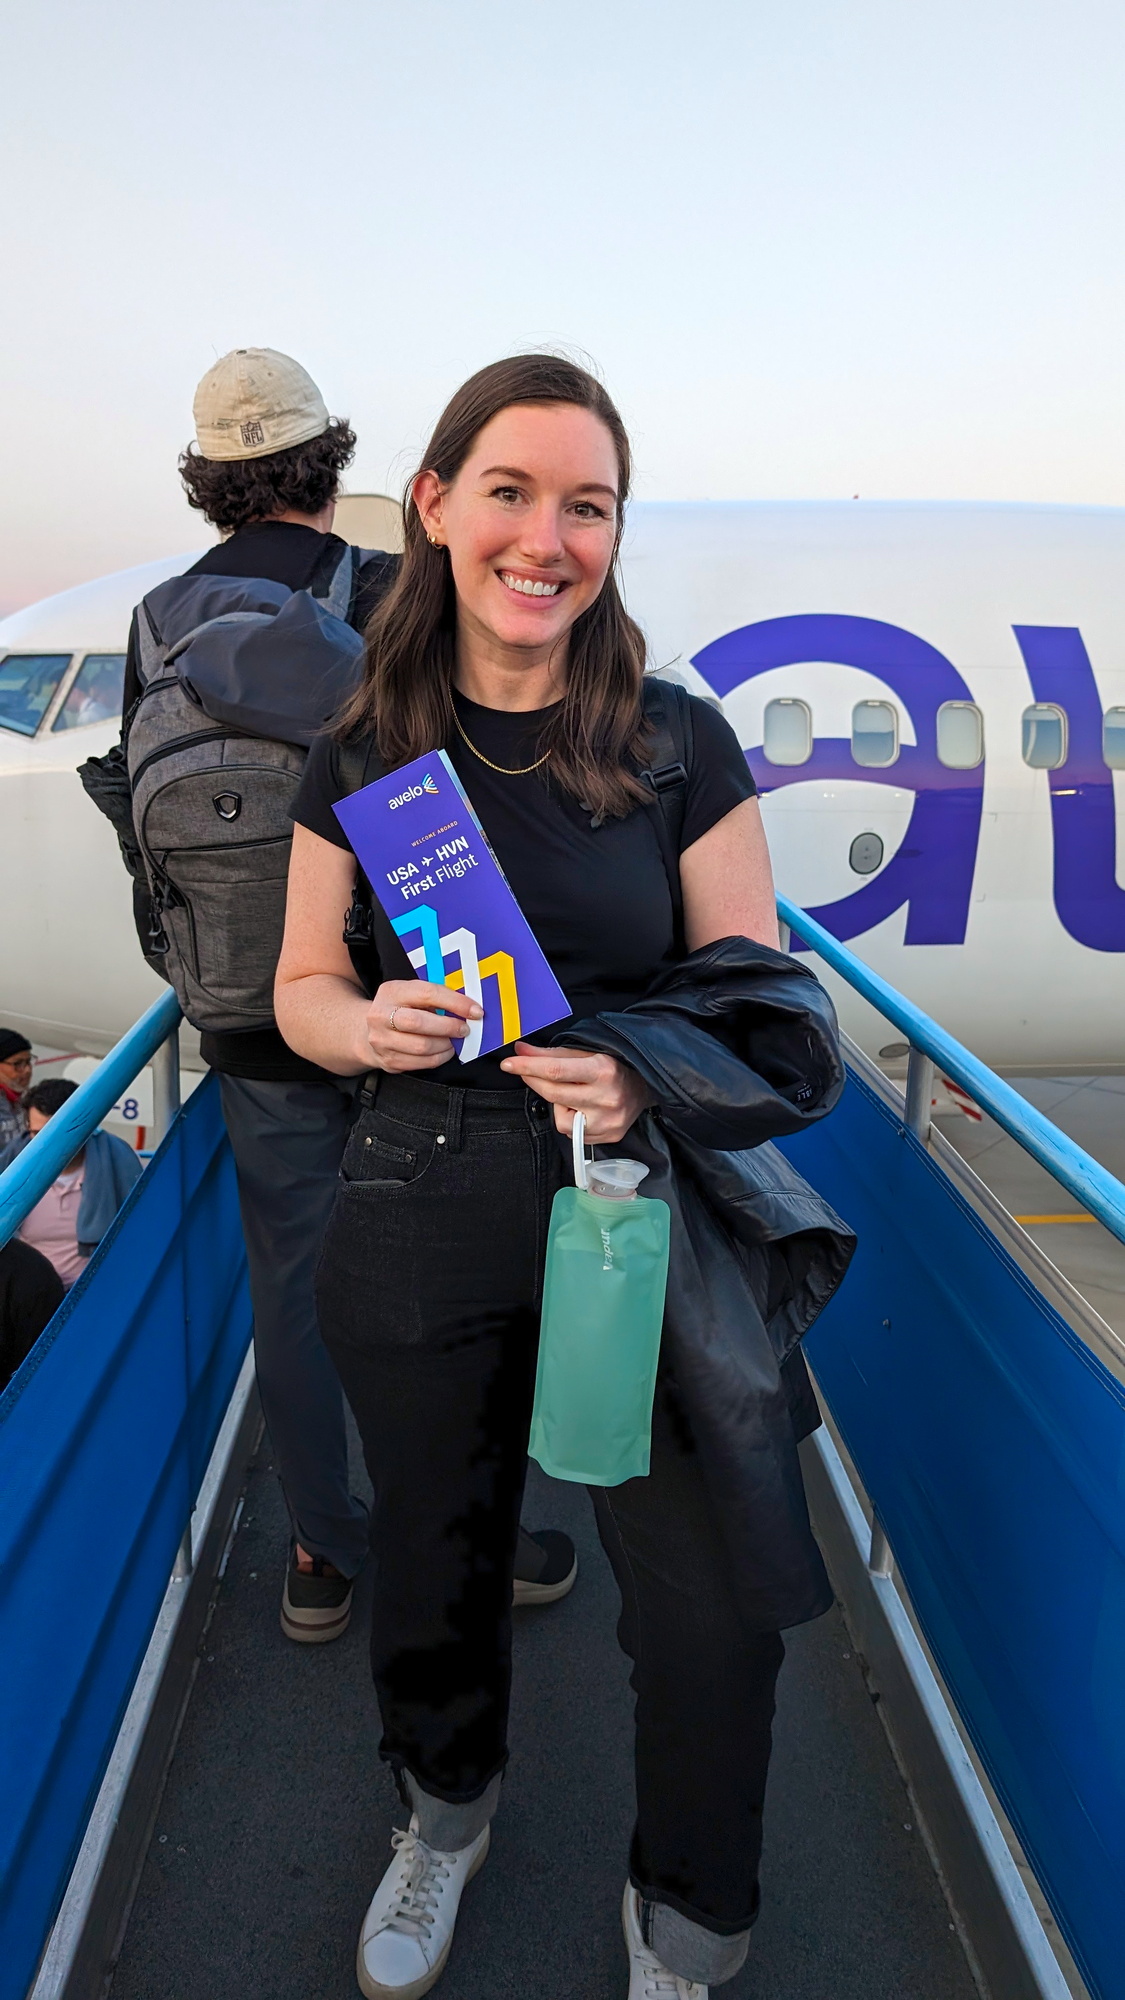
(648, 1979)
(408, 1929)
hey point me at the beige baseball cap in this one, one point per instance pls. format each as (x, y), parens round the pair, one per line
(255, 401)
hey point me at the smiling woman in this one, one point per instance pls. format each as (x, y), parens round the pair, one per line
(505, 643)
(501, 560)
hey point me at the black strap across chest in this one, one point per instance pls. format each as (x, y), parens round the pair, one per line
(670, 749)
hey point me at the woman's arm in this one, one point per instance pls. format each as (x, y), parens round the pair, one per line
(321, 1008)
(728, 882)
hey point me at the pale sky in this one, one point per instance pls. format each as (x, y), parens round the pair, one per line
(816, 248)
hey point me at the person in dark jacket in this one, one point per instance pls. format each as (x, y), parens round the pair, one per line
(504, 642)
(265, 469)
(15, 1075)
(31, 1291)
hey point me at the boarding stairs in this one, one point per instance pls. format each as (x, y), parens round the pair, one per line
(947, 1807)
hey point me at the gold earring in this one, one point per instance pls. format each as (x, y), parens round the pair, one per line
(433, 540)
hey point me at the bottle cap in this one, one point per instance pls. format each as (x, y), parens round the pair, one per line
(615, 1180)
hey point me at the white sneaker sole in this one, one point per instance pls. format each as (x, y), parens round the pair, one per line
(372, 1990)
(526, 1592)
(312, 1627)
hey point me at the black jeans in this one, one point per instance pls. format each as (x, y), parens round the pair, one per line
(428, 1292)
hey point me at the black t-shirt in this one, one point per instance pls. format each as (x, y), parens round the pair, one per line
(597, 898)
(299, 557)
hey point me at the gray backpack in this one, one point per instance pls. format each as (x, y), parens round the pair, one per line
(239, 675)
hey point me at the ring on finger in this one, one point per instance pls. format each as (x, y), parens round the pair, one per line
(391, 1018)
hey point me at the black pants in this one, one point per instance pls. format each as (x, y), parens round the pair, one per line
(288, 1140)
(428, 1293)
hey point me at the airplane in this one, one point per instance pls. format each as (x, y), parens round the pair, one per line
(931, 697)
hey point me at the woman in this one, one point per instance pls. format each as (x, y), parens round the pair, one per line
(505, 641)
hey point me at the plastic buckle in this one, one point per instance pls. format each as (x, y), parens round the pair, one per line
(667, 776)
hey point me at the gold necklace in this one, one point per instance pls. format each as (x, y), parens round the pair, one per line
(504, 770)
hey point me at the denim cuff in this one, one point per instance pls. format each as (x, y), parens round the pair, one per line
(451, 1827)
(690, 1951)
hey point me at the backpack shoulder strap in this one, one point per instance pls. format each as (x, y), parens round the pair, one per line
(359, 764)
(150, 646)
(340, 595)
(671, 747)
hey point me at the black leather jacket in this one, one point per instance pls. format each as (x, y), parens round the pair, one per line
(739, 1045)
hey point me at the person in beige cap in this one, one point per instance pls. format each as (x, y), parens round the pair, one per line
(265, 469)
(255, 402)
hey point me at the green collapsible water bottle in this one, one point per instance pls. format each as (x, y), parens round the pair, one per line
(603, 1308)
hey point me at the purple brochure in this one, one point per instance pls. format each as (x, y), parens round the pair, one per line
(427, 858)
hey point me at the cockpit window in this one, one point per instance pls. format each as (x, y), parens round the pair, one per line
(874, 733)
(27, 685)
(96, 691)
(1044, 736)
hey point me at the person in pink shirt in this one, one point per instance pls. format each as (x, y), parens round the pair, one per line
(52, 1226)
(67, 1224)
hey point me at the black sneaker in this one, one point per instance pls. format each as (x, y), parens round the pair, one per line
(546, 1567)
(314, 1607)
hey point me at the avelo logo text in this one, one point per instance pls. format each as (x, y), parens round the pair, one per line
(413, 792)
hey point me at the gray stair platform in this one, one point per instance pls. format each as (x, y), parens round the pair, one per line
(275, 1822)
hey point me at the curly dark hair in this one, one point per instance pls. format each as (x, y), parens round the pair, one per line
(232, 491)
(50, 1095)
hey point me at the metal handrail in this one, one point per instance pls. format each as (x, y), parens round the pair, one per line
(27, 1179)
(1085, 1178)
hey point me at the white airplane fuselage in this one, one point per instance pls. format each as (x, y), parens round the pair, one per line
(932, 700)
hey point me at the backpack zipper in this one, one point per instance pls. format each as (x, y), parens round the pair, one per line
(224, 847)
(179, 743)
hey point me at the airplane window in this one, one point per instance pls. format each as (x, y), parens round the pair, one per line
(787, 737)
(1044, 736)
(1113, 738)
(27, 685)
(96, 691)
(874, 733)
(960, 735)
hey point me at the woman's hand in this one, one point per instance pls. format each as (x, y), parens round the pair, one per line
(610, 1094)
(405, 1029)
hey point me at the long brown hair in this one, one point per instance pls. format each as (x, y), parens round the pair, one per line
(596, 734)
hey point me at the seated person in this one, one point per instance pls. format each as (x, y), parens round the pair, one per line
(96, 692)
(30, 1292)
(69, 1222)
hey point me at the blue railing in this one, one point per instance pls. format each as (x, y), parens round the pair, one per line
(26, 1181)
(105, 1435)
(989, 1435)
(1083, 1177)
